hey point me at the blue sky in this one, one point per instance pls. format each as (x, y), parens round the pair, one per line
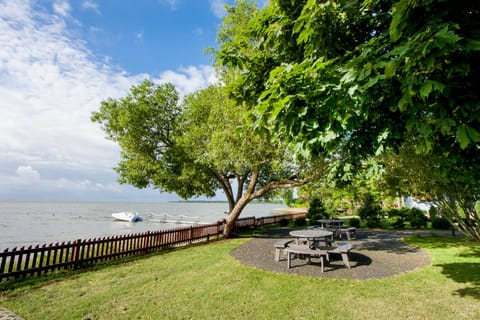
(60, 59)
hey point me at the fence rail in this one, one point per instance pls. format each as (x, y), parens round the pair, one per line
(42, 259)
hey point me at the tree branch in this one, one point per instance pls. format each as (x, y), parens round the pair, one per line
(282, 184)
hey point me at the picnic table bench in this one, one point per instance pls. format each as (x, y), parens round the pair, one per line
(321, 253)
(350, 232)
(280, 245)
(343, 249)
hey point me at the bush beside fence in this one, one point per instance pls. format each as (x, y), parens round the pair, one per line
(42, 259)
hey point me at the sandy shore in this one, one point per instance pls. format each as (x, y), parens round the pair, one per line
(290, 210)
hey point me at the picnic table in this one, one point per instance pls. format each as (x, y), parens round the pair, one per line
(312, 235)
(330, 223)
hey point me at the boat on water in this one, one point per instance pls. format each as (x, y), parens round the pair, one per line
(127, 216)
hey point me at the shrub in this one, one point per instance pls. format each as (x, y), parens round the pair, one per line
(283, 222)
(317, 210)
(440, 223)
(432, 212)
(373, 222)
(354, 222)
(371, 212)
(299, 202)
(417, 218)
(396, 222)
(402, 213)
(299, 222)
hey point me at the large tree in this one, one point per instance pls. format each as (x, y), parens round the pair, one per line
(197, 147)
(355, 78)
(431, 176)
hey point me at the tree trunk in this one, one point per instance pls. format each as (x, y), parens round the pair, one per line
(467, 222)
(249, 195)
(229, 229)
(232, 217)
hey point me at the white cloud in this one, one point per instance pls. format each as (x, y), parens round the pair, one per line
(171, 3)
(139, 37)
(92, 6)
(27, 174)
(218, 8)
(198, 31)
(189, 79)
(61, 7)
(50, 83)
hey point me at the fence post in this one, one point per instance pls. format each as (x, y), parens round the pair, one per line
(2, 264)
(219, 229)
(76, 253)
(191, 235)
(146, 242)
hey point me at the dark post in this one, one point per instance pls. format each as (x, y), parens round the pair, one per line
(453, 230)
(76, 253)
(146, 241)
(191, 234)
(2, 264)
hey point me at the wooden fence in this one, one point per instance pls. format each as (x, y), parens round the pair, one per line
(42, 259)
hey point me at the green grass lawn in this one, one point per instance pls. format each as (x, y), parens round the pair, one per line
(206, 282)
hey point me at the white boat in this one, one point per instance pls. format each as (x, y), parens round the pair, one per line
(127, 216)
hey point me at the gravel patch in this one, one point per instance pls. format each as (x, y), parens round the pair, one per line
(6, 314)
(375, 254)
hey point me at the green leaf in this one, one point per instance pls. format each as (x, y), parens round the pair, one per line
(328, 136)
(398, 13)
(279, 106)
(391, 68)
(351, 90)
(473, 44)
(446, 36)
(348, 77)
(429, 86)
(404, 102)
(445, 125)
(466, 135)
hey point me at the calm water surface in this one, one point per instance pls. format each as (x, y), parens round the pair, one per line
(31, 223)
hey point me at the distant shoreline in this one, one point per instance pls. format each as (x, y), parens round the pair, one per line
(291, 210)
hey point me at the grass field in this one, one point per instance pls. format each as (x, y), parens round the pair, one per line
(206, 282)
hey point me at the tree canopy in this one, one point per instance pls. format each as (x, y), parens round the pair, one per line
(356, 78)
(197, 147)
(359, 76)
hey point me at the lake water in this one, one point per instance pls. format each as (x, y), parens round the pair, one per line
(32, 223)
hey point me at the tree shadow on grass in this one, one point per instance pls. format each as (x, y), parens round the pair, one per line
(356, 259)
(442, 242)
(391, 246)
(280, 232)
(470, 252)
(467, 273)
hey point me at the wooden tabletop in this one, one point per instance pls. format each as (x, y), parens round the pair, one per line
(311, 233)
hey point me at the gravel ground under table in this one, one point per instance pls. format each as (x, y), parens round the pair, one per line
(375, 254)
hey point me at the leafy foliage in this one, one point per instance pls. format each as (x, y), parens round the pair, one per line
(396, 222)
(397, 217)
(357, 78)
(317, 210)
(299, 222)
(417, 218)
(449, 180)
(197, 147)
(440, 223)
(402, 213)
(354, 222)
(371, 212)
